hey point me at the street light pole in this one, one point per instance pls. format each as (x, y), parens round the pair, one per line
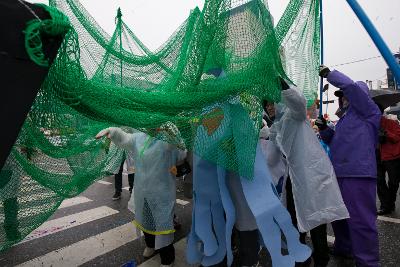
(321, 85)
(376, 38)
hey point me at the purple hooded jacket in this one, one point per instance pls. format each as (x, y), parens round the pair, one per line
(354, 139)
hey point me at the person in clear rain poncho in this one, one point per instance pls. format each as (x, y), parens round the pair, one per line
(223, 200)
(155, 189)
(313, 194)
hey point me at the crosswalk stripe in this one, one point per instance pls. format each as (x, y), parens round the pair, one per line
(70, 221)
(178, 201)
(73, 201)
(30, 183)
(37, 209)
(33, 197)
(388, 219)
(87, 249)
(30, 211)
(104, 182)
(182, 202)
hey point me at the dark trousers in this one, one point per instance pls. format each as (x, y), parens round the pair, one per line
(249, 246)
(318, 234)
(167, 254)
(387, 192)
(118, 179)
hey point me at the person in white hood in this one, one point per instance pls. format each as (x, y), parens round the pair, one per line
(155, 189)
(316, 196)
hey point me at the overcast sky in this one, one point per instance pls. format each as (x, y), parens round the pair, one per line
(153, 21)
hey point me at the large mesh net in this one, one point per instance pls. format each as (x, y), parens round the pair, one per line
(209, 78)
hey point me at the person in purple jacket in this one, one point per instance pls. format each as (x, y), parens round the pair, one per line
(352, 144)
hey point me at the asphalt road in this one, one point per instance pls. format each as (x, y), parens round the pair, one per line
(94, 230)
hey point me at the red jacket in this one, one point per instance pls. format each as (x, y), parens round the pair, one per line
(391, 149)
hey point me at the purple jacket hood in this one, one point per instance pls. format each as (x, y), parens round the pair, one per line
(354, 140)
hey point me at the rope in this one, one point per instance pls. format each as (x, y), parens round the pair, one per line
(356, 61)
(58, 25)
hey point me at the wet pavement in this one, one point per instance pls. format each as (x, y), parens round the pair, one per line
(94, 230)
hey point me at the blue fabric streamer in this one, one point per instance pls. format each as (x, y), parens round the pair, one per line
(272, 217)
(194, 251)
(205, 183)
(230, 213)
(211, 232)
(213, 215)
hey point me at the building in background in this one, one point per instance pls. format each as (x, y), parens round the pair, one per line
(392, 84)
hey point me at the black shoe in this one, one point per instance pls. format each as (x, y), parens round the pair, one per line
(346, 256)
(130, 191)
(116, 196)
(384, 212)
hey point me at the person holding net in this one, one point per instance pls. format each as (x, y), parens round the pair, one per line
(352, 144)
(312, 191)
(155, 189)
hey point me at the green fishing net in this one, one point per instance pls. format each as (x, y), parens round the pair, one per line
(208, 79)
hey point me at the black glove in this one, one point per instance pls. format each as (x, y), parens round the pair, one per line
(324, 71)
(183, 169)
(284, 84)
(321, 123)
(382, 136)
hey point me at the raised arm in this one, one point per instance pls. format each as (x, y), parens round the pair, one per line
(356, 93)
(296, 103)
(118, 137)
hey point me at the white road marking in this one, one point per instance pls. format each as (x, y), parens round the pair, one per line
(182, 202)
(70, 221)
(37, 196)
(388, 219)
(104, 182)
(38, 209)
(87, 249)
(73, 201)
(178, 201)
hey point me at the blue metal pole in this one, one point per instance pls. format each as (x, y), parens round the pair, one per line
(321, 83)
(376, 38)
